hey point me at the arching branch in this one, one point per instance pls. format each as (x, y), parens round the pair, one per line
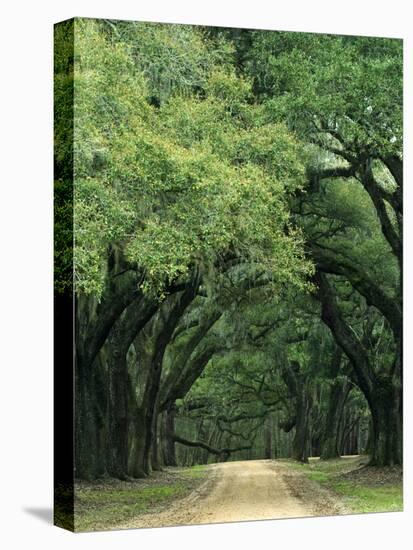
(212, 450)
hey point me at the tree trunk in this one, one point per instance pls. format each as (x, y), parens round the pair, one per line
(159, 337)
(85, 432)
(276, 436)
(168, 433)
(136, 468)
(300, 441)
(90, 417)
(156, 458)
(267, 438)
(118, 418)
(338, 395)
(387, 448)
(383, 393)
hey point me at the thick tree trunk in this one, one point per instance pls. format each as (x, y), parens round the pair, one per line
(267, 438)
(100, 413)
(119, 424)
(297, 384)
(90, 418)
(156, 458)
(136, 468)
(300, 441)
(123, 311)
(387, 444)
(168, 433)
(276, 436)
(159, 337)
(349, 435)
(338, 395)
(118, 405)
(84, 425)
(150, 408)
(383, 393)
(93, 427)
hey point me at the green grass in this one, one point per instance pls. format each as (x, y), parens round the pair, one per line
(359, 494)
(196, 472)
(104, 508)
(108, 504)
(321, 477)
(370, 499)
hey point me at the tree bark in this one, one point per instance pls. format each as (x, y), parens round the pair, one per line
(137, 459)
(168, 434)
(223, 453)
(300, 441)
(118, 411)
(268, 438)
(123, 333)
(338, 394)
(328, 261)
(339, 390)
(370, 185)
(298, 387)
(387, 444)
(382, 392)
(162, 330)
(156, 458)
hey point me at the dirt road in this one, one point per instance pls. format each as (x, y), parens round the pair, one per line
(240, 491)
(249, 490)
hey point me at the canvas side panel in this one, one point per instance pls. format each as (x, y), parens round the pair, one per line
(63, 276)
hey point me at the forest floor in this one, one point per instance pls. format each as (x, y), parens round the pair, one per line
(238, 491)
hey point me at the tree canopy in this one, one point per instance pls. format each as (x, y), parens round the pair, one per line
(237, 243)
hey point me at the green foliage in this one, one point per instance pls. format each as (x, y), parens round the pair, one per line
(63, 100)
(63, 158)
(173, 58)
(351, 86)
(179, 185)
(63, 237)
(198, 155)
(341, 219)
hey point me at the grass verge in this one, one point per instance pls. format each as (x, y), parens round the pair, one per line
(105, 504)
(362, 488)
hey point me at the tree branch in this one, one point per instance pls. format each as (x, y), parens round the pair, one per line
(212, 450)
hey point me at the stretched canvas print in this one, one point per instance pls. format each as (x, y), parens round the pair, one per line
(228, 251)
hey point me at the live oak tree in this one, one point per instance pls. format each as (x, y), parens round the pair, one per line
(343, 95)
(161, 198)
(237, 230)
